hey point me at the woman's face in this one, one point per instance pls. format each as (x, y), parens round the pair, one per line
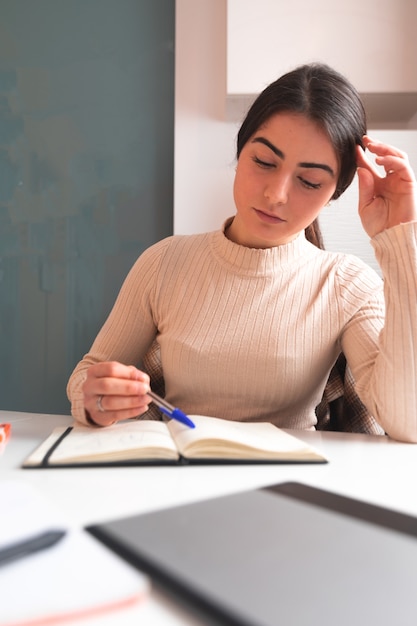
(285, 174)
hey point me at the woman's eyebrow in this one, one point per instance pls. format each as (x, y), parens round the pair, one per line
(281, 155)
(269, 145)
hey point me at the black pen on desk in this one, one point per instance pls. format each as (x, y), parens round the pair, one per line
(170, 410)
(21, 549)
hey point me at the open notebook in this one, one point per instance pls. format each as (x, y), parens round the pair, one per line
(213, 440)
(76, 578)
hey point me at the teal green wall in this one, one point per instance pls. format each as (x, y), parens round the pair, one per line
(86, 176)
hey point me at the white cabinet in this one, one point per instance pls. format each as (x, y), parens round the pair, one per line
(372, 42)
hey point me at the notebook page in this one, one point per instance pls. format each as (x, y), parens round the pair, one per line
(257, 435)
(78, 577)
(111, 443)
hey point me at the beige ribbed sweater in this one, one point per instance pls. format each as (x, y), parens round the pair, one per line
(248, 334)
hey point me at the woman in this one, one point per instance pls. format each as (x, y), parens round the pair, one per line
(250, 319)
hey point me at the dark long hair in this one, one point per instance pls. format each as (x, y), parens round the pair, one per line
(314, 235)
(324, 96)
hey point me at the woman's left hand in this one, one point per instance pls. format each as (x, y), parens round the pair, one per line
(388, 200)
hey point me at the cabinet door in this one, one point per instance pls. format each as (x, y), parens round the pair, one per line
(373, 42)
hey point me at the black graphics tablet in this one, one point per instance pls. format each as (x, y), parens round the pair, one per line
(288, 554)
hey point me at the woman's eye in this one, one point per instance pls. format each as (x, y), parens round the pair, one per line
(262, 163)
(309, 184)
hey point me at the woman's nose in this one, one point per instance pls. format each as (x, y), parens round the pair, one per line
(277, 189)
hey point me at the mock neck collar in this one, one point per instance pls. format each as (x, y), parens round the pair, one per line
(259, 261)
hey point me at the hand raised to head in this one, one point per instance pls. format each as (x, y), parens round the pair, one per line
(385, 200)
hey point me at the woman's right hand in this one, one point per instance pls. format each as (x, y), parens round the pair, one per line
(113, 391)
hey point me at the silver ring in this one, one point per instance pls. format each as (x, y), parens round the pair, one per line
(99, 405)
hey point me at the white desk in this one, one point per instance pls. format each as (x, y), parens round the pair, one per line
(374, 469)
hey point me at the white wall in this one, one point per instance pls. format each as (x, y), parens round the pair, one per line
(205, 140)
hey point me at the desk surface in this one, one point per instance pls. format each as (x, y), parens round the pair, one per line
(370, 468)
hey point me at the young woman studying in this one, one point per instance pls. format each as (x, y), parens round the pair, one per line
(250, 319)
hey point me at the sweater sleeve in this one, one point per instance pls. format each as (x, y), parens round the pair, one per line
(386, 372)
(129, 329)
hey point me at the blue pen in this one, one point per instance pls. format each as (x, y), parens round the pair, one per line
(170, 410)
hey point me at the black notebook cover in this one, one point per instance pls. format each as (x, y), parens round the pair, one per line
(288, 554)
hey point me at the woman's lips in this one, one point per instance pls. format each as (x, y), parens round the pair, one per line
(268, 218)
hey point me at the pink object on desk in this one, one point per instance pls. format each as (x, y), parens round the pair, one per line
(5, 430)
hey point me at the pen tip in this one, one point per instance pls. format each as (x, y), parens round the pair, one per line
(183, 418)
